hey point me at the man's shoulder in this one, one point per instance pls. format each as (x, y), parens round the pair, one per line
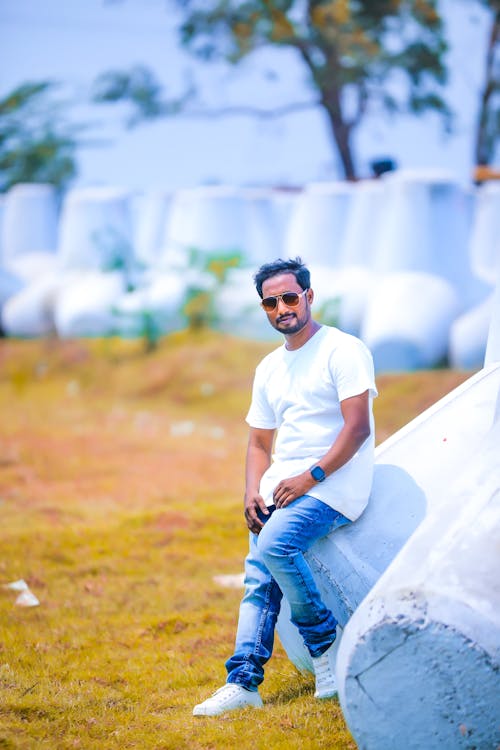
(335, 337)
(271, 358)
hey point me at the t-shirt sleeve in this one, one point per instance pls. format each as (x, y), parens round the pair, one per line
(352, 369)
(260, 413)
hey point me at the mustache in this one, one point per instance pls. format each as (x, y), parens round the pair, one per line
(285, 315)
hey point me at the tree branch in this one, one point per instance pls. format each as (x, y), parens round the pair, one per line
(248, 111)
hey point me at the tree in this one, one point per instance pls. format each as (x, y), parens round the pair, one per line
(360, 54)
(488, 127)
(35, 143)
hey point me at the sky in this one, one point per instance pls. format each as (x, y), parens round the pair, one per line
(72, 41)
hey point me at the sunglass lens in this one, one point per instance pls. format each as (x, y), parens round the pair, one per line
(291, 299)
(269, 303)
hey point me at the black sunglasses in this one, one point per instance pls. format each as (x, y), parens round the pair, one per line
(290, 299)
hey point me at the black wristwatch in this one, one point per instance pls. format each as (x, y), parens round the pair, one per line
(317, 474)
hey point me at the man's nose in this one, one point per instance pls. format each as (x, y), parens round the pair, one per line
(281, 304)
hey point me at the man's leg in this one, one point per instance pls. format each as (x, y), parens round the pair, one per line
(282, 542)
(259, 611)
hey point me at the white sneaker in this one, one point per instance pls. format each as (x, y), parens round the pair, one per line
(324, 669)
(228, 698)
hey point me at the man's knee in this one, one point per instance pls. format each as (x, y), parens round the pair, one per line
(271, 546)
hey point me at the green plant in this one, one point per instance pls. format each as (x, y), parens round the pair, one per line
(199, 306)
(329, 312)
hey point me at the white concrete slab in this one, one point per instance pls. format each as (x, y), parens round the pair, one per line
(419, 662)
(413, 472)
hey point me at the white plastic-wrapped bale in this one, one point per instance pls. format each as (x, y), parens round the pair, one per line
(85, 306)
(30, 220)
(96, 229)
(30, 312)
(408, 319)
(31, 266)
(284, 202)
(150, 212)
(493, 343)
(318, 223)
(10, 284)
(485, 235)
(206, 221)
(364, 223)
(2, 212)
(266, 219)
(425, 226)
(340, 295)
(469, 336)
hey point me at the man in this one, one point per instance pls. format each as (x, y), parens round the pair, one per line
(316, 391)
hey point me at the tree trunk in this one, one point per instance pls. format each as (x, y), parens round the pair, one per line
(486, 129)
(341, 132)
(330, 89)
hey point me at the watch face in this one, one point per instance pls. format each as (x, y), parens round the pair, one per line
(318, 474)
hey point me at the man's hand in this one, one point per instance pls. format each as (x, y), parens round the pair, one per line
(253, 503)
(356, 429)
(290, 489)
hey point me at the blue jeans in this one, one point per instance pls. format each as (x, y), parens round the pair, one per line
(275, 566)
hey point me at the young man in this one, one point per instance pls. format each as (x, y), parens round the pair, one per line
(316, 391)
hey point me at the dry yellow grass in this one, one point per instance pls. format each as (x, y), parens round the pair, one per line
(120, 499)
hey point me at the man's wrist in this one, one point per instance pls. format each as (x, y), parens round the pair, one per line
(252, 492)
(317, 473)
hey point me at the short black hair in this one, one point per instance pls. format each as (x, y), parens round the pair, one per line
(292, 265)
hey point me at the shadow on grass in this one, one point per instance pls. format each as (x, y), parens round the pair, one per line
(290, 693)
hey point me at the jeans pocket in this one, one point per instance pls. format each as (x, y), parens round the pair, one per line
(262, 516)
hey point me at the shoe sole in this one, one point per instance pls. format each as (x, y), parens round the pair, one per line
(325, 696)
(202, 712)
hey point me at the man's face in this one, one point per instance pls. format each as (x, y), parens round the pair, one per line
(287, 320)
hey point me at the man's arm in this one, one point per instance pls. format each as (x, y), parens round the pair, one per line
(356, 429)
(259, 450)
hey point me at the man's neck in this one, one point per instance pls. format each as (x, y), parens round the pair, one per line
(296, 340)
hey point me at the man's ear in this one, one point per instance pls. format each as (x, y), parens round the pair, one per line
(310, 295)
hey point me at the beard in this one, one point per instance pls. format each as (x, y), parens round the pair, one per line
(290, 323)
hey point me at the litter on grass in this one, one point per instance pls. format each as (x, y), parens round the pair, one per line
(26, 597)
(235, 581)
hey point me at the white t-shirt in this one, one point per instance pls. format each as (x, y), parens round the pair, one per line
(299, 393)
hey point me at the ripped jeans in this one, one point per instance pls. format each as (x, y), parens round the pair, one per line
(275, 566)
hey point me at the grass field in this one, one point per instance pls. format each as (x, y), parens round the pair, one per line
(121, 484)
